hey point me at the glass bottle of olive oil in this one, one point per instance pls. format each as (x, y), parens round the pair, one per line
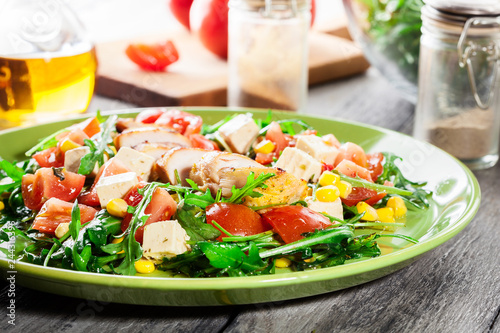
(47, 64)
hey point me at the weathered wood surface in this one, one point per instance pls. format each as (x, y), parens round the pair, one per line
(453, 288)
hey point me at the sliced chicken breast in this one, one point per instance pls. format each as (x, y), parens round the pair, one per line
(180, 159)
(135, 136)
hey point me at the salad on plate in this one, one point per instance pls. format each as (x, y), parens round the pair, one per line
(165, 192)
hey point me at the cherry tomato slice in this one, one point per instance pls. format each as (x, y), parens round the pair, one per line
(375, 164)
(290, 222)
(199, 141)
(359, 194)
(238, 220)
(183, 122)
(153, 57)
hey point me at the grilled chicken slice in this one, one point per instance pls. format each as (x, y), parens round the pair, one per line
(208, 170)
(180, 159)
(156, 150)
(284, 188)
(135, 136)
(123, 124)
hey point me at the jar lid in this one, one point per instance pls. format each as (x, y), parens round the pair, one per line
(467, 7)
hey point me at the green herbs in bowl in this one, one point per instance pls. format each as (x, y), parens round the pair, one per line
(389, 33)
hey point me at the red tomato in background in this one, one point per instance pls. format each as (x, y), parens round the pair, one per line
(161, 208)
(183, 122)
(55, 212)
(290, 222)
(238, 220)
(208, 19)
(44, 184)
(180, 9)
(153, 57)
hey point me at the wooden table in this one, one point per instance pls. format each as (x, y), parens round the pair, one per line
(455, 287)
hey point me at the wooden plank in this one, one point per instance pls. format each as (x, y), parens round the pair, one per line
(199, 78)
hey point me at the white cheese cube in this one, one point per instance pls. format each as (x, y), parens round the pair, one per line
(164, 239)
(317, 148)
(73, 157)
(116, 186)
(333, 208)
(300, 164)
(239, 133)
(136, 161)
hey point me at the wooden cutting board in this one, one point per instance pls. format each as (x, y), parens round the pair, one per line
(199, 78)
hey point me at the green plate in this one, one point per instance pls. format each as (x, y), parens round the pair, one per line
(455, 201)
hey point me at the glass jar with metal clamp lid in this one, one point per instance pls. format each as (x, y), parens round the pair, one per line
(458, 106)
(268, 53)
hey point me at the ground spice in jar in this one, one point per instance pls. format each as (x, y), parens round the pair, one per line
(466, 136)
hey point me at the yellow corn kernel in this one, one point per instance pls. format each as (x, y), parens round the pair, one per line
(61, 229)
(68, 144)
(398, 205)
(385, 214)
(113, 149)
(265, 147)
(310, 260)
(144, 266)
(329, 178)
(117, 207)
(116, 241)
(283, 262)
(370, 212)
(345, 188)
(2, 205)
(328, 193)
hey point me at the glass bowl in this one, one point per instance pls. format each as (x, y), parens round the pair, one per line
(389, 34)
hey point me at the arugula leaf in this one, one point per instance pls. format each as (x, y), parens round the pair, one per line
(48, 142)
(194, 224)
(248, 190)
(359, 182)
(98, 149)
(202, 201)
(75, 224)
(227, 255)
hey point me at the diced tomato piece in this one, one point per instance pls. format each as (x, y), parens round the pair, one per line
(375, 164)
(149, 116)
(290, 222)
(45, 184)
(359, 194)
(153, 57)
(238, 220)
(49, 158)
(376, 198)
(264, 159)
(55, 212)
(275, 134)
(110, 168)
(183, 122)
(352, 152)
(199, 141)
(161, 208)
(353, 170)
(326, 167)
(90, 126)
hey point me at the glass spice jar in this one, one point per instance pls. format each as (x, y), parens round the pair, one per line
(458, 106)
(268, 53)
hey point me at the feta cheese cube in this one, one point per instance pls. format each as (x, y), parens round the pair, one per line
(164, 239)
(300, 164)
(136, 161)
(73, 157)
(317, 148)
(116, 186)
(239, 133)
(333, 208)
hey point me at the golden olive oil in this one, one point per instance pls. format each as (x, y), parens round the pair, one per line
(39, 89)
